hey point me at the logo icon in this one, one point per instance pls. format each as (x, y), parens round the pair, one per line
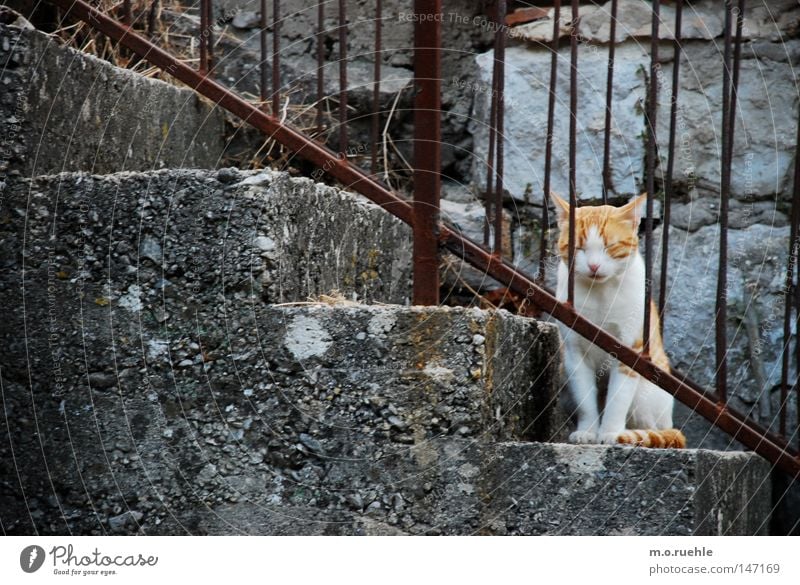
(31, 558)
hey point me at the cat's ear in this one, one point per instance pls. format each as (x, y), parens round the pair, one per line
(562, 207)
(633, 211)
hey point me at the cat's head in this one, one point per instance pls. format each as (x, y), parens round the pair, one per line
(606, 237)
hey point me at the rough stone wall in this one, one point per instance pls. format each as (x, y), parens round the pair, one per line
(766, 108)
(62, 110)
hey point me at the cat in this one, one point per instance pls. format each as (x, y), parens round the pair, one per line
(609, 291)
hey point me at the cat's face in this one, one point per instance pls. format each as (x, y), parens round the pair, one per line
(606, 237)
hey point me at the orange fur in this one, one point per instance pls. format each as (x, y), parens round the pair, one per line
(659, 439)
(615, 224)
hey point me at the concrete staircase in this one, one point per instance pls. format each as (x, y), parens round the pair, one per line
(164, 373)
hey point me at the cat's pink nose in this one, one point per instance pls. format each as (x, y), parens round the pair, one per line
(594, 267)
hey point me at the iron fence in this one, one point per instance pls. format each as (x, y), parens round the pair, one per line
(431, 236)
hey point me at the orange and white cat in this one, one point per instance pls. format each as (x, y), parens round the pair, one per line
(609, 291)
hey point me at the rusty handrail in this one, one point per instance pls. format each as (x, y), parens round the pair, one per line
(765, 443)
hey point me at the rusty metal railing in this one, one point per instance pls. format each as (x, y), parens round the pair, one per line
(422, 215)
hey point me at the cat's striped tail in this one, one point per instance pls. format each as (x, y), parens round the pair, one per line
(657, 439)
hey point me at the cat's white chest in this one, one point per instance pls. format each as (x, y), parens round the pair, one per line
(616, 305)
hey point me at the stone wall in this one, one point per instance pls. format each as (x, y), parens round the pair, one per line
(766, 114)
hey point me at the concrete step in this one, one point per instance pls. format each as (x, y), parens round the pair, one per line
(63, 110)
(343, 420)
(457, 486)
(170, 421)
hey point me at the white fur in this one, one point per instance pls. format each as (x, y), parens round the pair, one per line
(614, 302)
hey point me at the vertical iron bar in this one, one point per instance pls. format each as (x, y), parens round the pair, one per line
(376, 88)
(499, 64)
(548, 152)
(276, 58)
(609, 95)
(721, 309)
(487, 220)
(673, 118)
(427, 149)
(652, 112)
(263, 86)
(342, 76)
(151, 18)
(789, 287)
(203, 37)
(320, 61)
(210, 44)
(573, 126)
(729, 91)
(126, 12)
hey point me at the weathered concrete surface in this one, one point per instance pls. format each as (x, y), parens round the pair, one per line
(62, 110)
(261, 415)
(171, 243)
(586, 489)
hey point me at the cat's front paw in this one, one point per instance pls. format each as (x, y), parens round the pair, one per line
(608, 438)
(583, 437)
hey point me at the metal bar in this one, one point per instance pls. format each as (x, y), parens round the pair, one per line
(127, 17)
(720, 312)
(499, 64)
(573, 125)
(548, 148)
(795, 386)
(790, 290)
(729, 91)
(376, 88)
(490, 170)
(342, 76)
(668, 190)
(276, 57)
(203, 37)
(263, 86)
(210, 46)
(789, 287)
(427, 149)
(767, 444)
(609, 95)
(152, 15)
(320, 61)
(652, 112)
